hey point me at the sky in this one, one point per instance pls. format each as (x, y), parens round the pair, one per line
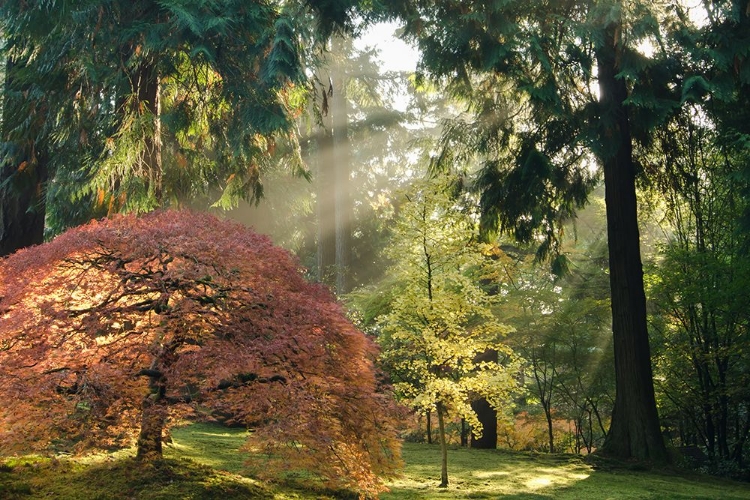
(395, 53)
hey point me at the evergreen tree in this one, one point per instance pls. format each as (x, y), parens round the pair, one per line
(148, 103)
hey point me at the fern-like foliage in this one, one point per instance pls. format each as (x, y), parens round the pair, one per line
(154, 103)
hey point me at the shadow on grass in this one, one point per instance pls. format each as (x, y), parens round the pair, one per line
(123, 478)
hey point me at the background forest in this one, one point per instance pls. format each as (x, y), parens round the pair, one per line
(544, 226)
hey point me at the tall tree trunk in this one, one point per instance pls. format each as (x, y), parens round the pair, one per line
(326, 191)
(550, 429)
(23, 175)
(342, 169)
(22, 206)
(635, 430)
(149, 90)
(443, 447)
(487, 416)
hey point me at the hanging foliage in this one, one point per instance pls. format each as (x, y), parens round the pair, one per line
(116, 330)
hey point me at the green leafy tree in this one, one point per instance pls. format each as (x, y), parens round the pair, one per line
(562, 334)
(551, 90)
(699, 288)
(440, 320)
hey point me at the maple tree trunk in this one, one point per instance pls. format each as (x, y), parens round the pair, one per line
(550, 432)
(153, 419)
(443, 447)
(635, 430)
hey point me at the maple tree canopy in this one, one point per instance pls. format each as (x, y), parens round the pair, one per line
(116, 330)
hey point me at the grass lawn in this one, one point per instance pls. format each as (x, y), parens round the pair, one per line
(202, 463)
(485, 474)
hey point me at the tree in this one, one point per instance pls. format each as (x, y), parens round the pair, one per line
(529, 72)
(24, 161)
(440, 322)
(111, 88)
(698, 289)
(115, 330)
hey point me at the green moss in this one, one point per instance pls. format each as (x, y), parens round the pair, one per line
(126, 479)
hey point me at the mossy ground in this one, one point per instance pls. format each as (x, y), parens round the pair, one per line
(202, 463)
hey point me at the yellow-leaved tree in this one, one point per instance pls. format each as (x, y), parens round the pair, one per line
(439, 321)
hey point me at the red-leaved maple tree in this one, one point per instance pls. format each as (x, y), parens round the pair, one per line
(116, 330)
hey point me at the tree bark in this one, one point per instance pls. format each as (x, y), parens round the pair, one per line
(153, 420)
(22, 208)
(429, 427)
(550, 428)
(487, 416)
(342, 167)
(635, 431)
(443, 447)
(148, 89)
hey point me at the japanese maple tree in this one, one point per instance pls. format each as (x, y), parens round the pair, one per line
(115, 330)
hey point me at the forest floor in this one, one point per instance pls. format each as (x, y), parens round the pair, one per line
(202, 463)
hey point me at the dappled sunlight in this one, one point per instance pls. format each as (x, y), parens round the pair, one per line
(498, 474)
(553, 477)
(489, 475)
(535, 479)
(486, 474)
(539, 482)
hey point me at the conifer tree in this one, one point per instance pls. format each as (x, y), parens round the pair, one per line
(144, 104)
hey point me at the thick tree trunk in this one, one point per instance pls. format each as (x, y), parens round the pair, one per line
(23, 176)
(149, 89)
(635, 431)
(153, 420)
(487, 416)
(22, 208)
(443, 447)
